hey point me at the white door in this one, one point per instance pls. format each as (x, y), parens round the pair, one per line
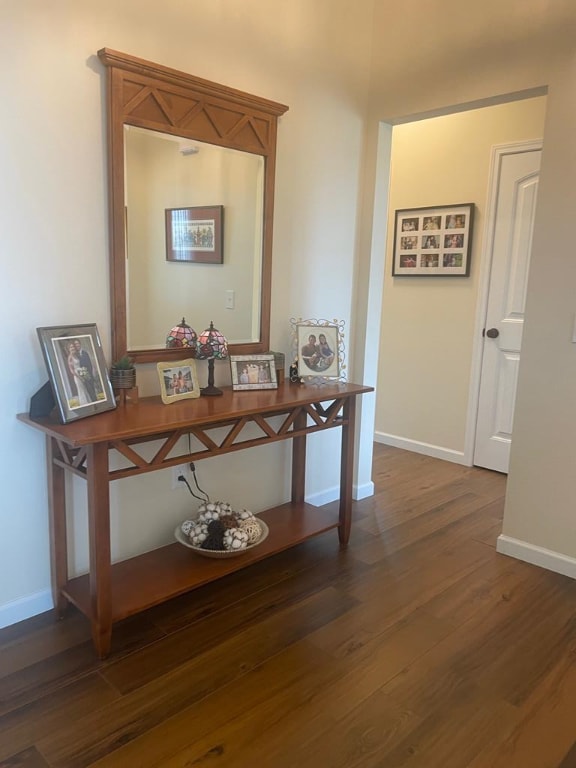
(513, 209)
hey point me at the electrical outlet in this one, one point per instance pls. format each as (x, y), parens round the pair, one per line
(176, 472)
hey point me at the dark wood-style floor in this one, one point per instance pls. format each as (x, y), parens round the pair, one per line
(419, 646)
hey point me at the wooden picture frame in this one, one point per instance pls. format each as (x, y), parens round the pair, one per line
(253, 372)
(195, 234)
(178, 380)
(434, 241)
(77, 370)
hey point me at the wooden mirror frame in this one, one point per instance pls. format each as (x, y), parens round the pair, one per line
(151, 96)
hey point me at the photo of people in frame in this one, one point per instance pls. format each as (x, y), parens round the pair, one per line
(253, 371)
(193, 235)
(79, 370)
(318, 350)
(453, 241)
(430, 260)
(456, 221)
(178, 380)
(408, 243)
(452, 260)
(431, 222)
(431, 241)
(410, 225)
(408, 261)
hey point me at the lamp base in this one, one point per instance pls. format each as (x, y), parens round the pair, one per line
(210, 391)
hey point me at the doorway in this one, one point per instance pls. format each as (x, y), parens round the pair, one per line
(429, 368)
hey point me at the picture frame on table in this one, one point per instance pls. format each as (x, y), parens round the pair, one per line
(435, 241)
(178, 380)
(318, 349)
(195, 234)
(77, 370)
(253, 372)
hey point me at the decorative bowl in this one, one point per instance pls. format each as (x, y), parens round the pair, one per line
(219, 554)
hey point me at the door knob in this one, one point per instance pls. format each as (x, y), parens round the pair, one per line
(492, 333)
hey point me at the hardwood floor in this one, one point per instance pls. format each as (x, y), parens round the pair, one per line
(418, 646)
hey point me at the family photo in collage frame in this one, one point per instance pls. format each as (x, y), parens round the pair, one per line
(433, 241)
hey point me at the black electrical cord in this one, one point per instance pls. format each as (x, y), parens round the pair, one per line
(205, 496)
(182, 479)
(193, 470)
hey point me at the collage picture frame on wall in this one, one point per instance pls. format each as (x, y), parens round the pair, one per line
(433, 241)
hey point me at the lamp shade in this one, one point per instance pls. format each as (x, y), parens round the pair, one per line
(212, 344)
(182, 335)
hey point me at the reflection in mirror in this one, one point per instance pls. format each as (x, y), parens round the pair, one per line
(164, 171)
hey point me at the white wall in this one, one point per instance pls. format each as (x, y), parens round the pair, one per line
(428, 323)
(53, 225)
(540, 504)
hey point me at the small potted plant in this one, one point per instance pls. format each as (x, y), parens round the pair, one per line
(123, 373)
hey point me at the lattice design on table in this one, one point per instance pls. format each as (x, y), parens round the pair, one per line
(71, 458)
(215, 439)
(200, 116)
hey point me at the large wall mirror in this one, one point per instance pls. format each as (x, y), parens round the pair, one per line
(188, 157)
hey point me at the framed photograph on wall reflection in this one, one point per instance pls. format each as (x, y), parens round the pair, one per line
(434, 241)
(195, 234)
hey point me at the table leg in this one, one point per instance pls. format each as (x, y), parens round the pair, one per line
(99, 535)
(58, 539)
(346, 470)
(299, 460)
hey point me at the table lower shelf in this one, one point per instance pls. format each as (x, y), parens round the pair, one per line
(152, 578)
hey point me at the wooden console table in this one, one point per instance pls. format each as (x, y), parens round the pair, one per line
(109, 593)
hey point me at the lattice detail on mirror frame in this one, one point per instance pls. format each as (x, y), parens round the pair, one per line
(171, 101)
(200, 116)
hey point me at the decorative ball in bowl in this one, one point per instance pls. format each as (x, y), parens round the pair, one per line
(219, 531)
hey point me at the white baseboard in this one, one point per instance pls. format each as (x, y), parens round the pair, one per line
(363, 491)
(416, 446)
(530, 553)
(333, 494)
(323, 497)
(25, 608)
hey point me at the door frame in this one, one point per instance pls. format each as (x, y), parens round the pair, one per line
(499, 151)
